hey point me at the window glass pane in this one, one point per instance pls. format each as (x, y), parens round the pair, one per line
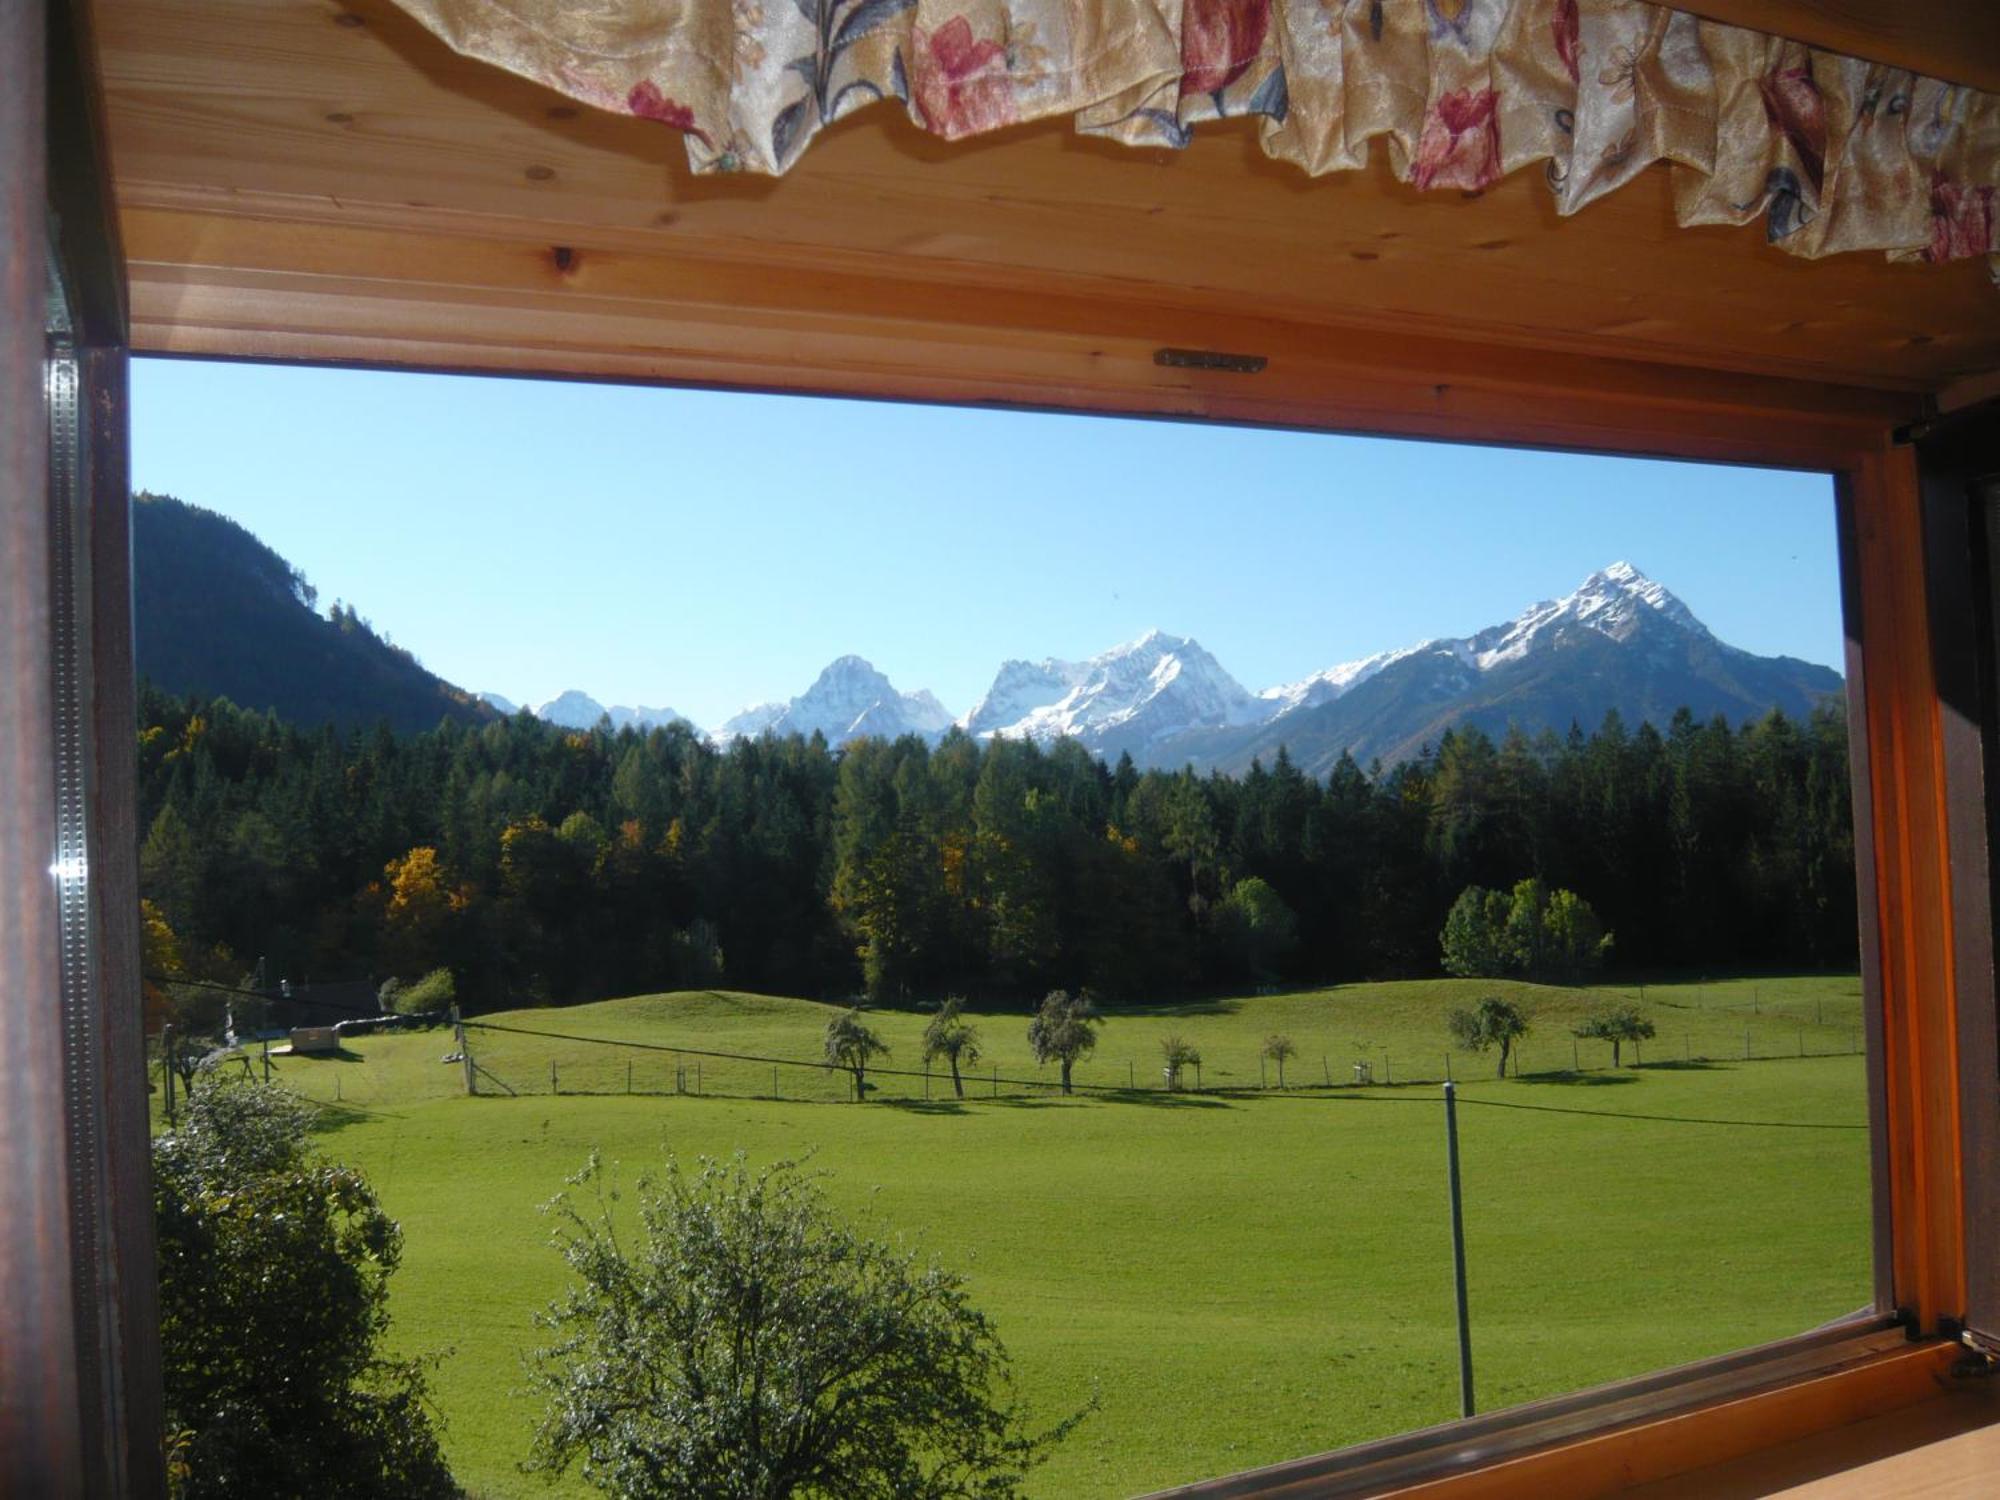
(1313, 770)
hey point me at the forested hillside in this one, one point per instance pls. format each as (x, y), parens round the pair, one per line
(545, 863)
(220, 614)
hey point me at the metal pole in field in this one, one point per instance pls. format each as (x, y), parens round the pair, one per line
(464, 1051)
(167, 1065)
(267, 1059)
(628, 1075)
(1458, 1252)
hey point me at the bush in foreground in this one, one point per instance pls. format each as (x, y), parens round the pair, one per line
(746, 1344)
(274, 1271)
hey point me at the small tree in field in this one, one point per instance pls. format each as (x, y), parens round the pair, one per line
(1179, 1055)
(1279, 1048)
(1619, 1025)
(1063, 1031)
(951, 1037)
(850, 1045)
(1493, 1022)
(741, 1342)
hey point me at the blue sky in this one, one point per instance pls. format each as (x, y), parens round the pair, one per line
(703, 551)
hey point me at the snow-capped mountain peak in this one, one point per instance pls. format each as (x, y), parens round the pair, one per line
(575, 709)
(1135, 693)
(848, 699)
(1615, 601)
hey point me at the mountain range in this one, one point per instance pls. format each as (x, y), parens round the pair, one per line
(1619, 641)
(220, 613)
(578, 710)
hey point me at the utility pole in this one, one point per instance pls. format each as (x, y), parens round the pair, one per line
(1458, 1252)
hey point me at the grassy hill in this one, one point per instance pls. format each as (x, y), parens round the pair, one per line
(1240, 1277)
(1397, 1028)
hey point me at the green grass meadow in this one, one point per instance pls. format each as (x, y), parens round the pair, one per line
(1240, 1276)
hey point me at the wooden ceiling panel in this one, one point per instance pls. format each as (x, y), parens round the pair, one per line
(1957, 40)
(348, 122)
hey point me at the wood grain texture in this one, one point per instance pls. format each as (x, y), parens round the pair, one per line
(1615, 1462)
(223, 287)
(1946, 1448)
(1910, 836)
(267, 111)
(1957, 40)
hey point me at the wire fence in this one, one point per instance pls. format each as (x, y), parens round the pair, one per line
(518, 1060)
(513, 1060)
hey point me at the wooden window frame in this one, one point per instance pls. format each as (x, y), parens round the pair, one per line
(78, 1274)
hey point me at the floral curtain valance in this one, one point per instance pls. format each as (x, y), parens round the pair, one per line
(1832, 153)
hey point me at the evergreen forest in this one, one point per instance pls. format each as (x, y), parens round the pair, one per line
(546, 865)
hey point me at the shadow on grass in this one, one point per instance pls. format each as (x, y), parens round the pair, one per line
(924, 1106)
(1568, 1079)
(1143, 1098)
(338, 1054)
(331, 1119)
(1162, 1099)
